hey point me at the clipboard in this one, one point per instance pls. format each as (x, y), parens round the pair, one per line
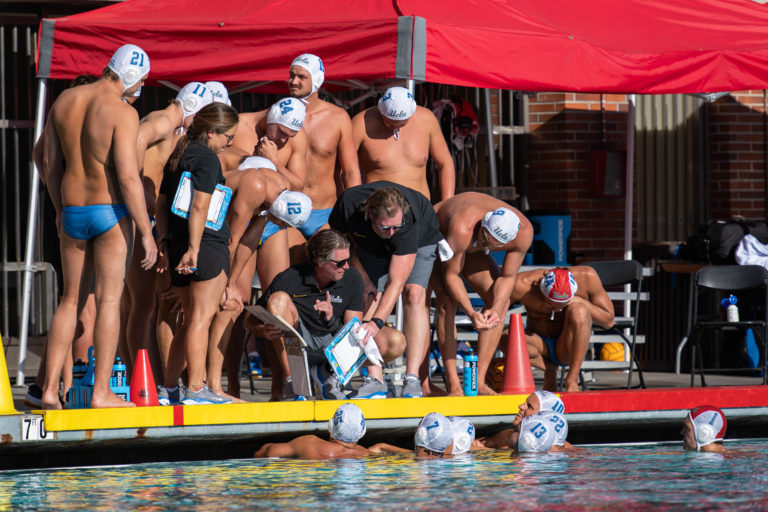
(217, 209)
(344, 354)
(295, 349)
(268, 318)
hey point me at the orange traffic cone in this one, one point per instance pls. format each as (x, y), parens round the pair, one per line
(518, 379)
(143, 390)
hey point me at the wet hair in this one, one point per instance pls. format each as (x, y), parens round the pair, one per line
(321, 245)
(83, 80)
(108, 73)
(385, 202)
(216, 116)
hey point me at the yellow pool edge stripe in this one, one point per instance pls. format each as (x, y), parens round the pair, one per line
(276, 412)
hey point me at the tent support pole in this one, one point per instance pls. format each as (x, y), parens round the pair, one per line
(34, 186)
(630, 177)
(492, 178)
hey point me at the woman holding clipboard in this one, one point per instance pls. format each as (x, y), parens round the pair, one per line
(195, 235)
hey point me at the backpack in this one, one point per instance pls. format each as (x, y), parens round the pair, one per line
(715, 243)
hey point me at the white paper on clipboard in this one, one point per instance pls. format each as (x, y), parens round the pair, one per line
(344, 354)
(217, 209)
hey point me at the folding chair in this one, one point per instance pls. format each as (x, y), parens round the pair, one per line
(724, 279)
(615, 274)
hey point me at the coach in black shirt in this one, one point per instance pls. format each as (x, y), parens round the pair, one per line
(394, 231)
(318, 298)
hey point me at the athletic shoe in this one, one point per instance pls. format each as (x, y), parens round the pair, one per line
(204, 396)
(327, 382)
(34, 397)
(254, 364)
(412, 386)
(371, 388)
(167, 397)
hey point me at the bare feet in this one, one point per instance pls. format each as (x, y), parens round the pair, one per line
(571, 386)
(485, 389)
(107, 400)
(49, 405)
(428, 388)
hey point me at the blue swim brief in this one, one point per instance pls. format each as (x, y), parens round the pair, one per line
(550, 342)
(270, 228)
(316, 220)
(86, 222)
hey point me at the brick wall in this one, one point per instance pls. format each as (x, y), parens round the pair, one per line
(737, 155)
(565, 127)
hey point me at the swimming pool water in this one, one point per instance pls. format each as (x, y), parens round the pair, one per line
(625, 478)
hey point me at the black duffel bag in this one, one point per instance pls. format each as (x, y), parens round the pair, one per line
(715, 243)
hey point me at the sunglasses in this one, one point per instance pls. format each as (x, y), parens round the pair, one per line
(340, 263)
(387, 228)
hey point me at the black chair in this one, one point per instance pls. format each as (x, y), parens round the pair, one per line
(723, 279)
(615, 274)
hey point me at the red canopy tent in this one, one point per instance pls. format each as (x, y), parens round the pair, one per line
(642, 46)
(631, 46)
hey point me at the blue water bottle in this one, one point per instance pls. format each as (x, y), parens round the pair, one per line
(470, 373)
(119, 372)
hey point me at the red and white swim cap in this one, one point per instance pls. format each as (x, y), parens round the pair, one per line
(559, 285)
(708, 424)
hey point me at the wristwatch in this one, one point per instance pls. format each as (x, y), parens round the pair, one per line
(377, 321)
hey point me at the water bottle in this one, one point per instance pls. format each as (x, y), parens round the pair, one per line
(731, 310)
(470, 374)
(119, 371)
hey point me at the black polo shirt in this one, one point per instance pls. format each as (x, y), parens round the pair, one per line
(205, 168)
(421, 227)
(299, 282)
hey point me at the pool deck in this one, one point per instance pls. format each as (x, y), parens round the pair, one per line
(603, 414)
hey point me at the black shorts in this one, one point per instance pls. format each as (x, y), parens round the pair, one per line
(211, 260)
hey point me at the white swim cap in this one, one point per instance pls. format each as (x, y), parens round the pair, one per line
(292, 207)
(708, 424)
(314, 65)
(537, 434)
(257, 162)
(463, 434)
(347, 424)
(434, 433)
(288, 112)
(130, 63)
(193, 97)
(558, 422)
(549, 401)
(502, 224)
(397, 104)
(219, 92)
(559, 285)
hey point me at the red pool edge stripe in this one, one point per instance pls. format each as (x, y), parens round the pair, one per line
(665, 399)
(178, 415)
